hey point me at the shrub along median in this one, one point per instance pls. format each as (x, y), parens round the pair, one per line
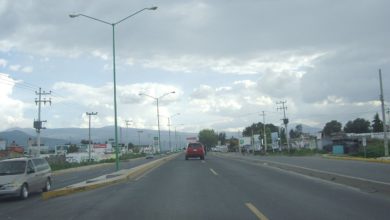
(61, 163)
(296, 152)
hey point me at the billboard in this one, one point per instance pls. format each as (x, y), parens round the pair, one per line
(257, 142)
(245, 141)
(275, 140)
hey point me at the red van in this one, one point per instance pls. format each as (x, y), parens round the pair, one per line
(195, 149)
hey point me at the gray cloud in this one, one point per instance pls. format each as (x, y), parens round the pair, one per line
(320, 55)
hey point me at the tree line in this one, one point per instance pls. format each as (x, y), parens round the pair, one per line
(359, 125)
(210, 138)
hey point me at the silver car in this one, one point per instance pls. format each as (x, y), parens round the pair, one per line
(19, 176)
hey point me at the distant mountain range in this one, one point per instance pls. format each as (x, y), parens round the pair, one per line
(21, 138)
(58, 136)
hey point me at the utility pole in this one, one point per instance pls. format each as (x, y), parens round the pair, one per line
(238, 138)
(139, 137)
(285, 121)
(265, 135)
(383, 115)
(388, 118)
(128, 122)
(253, 143)
(89, 133)
(38, 123)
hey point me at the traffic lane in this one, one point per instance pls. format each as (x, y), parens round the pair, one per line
(286, 195)
(178, 189)
(360, 169)
(186, 190)
(66, 179)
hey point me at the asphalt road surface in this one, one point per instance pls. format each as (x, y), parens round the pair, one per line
(217, 188)
(360, 169)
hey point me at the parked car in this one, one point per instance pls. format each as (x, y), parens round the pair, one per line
(149, 156)
(20, 176)
(195, 149)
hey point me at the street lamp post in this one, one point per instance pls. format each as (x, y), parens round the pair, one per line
(113, 68)
(158, 114)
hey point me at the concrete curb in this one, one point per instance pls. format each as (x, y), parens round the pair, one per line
(357, 159)
(366, 185)
(105, 180)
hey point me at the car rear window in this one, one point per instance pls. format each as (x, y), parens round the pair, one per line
(195, 145)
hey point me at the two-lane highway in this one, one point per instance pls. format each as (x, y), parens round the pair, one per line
(217, 188)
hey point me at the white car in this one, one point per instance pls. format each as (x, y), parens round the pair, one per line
(20, 176)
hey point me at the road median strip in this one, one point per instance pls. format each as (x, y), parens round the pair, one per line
(105, 180)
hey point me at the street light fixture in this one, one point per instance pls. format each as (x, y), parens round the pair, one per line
(158, 113)
(113, 68)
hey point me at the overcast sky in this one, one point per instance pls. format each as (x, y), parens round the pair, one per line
(226, 60)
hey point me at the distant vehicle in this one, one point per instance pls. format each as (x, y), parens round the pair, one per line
(195, 149)
(20, 176)
(149, 156)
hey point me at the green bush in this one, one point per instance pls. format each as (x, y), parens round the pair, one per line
(67, 165)
(60, 165)
(374, 149)
(297, 152)
(131, 156)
